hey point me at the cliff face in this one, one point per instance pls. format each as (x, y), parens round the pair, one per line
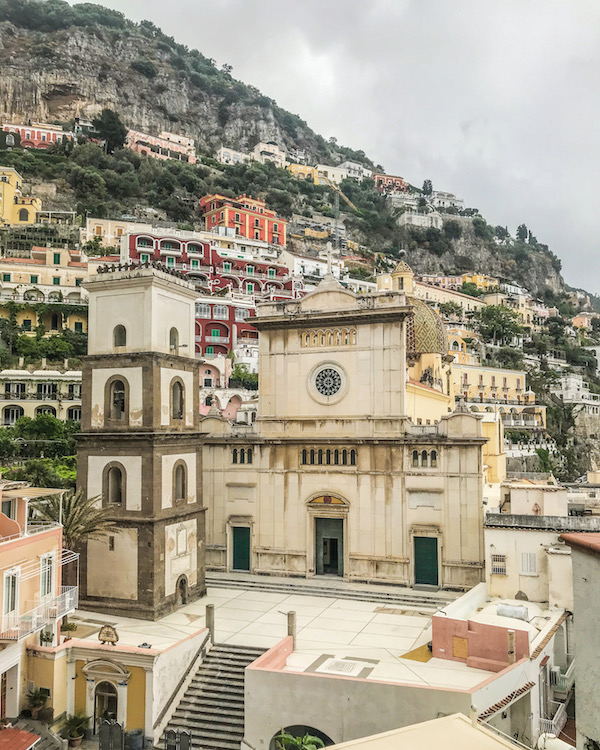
(51, 77)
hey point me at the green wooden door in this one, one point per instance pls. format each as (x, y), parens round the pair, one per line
(426, 560)
(241, 548)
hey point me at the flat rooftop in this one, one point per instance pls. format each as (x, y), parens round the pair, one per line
(342, 637)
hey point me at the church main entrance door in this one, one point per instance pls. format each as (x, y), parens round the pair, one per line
(426, 560)
(329, 553)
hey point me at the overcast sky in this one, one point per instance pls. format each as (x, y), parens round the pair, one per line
(496, 101)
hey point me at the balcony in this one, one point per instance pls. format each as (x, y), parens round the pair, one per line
(216, 339)
(564, 680)
(556, 724)
(18, 626)
(509, 420)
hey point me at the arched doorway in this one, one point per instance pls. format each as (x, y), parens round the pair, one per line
(182, 590)
(105, 703)
(300, 730)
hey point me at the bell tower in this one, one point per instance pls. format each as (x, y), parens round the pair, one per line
(138, 448)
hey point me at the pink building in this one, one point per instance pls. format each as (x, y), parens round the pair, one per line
(38, 135)
(164, 146)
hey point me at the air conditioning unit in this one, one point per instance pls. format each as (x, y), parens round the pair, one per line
(554, 675)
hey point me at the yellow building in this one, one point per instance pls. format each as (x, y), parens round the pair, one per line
(304, 172)
(491, 389)
(434, 295)
(16, 208)
(463, 345)
(480, 280)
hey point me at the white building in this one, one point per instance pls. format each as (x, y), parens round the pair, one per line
(311, 268)
(269, 152)
(573, 389)
(231, 156)
(355, 170)
(423, 220)
(440, 199)
(328, 173)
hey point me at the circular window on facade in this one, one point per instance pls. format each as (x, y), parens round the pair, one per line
(328, 381)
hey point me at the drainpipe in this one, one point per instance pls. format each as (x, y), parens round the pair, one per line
(511, 646)
(210, 621)
(473, 714)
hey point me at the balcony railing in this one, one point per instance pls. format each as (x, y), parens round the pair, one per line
(565, 680)
(33, 527)
(556, 724)
(216, 339)
(18, 626)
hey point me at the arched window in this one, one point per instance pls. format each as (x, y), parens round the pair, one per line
(336, 457)
(344, 457)
(179, 483)
(320, 456)
(23, 215)
(328, 457)
(312, 457)
(174, 341)
(433, 459)
(352, 458)
(424, 457)
(117, 401)
(249, 455)
(120, 336)
(202, 310)
(243, 456)
(114, 486)
(177, 400)
(415, 458)
(304, 456)
(234, 456)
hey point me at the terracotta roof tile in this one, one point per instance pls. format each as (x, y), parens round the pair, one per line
(585, 541)
(506, 701)
(17, 739)
(27, 261)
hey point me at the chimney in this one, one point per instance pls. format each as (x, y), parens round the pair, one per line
(43, 363)
(21, 362)
(511, 646)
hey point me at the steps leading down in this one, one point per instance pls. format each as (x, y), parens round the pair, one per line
(212, 708)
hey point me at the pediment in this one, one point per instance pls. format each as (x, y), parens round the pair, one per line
(327, 297)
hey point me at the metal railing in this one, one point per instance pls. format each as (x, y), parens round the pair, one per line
(17, 626)
(565, 680)
(556, 724)
(217, 339)
(32, 528)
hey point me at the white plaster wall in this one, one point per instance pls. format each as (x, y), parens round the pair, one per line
(169, 668)
(514, 542)
(172, 310)
(108, 310)
(337, 706)
(133, 479)
(133, 375)
(586, 575)
(124, 559)
(167, 375)
(180, 564)
(168, 462)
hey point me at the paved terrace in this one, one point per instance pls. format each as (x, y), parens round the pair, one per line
(370, 638)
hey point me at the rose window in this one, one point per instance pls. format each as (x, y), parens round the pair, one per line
(328, 381)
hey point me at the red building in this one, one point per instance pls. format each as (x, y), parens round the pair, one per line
(248, 216)
(221, 322)
(387, 183)
(37, 135)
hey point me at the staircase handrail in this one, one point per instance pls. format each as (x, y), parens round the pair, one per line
(188, 674)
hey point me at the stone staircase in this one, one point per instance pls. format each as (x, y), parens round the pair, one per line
(48, 741)
(386, 595)
(212, 708)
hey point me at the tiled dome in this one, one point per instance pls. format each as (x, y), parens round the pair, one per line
(425, 330)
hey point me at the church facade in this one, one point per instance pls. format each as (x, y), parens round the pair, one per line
(334, 478)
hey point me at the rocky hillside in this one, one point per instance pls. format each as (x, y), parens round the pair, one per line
(58, 60)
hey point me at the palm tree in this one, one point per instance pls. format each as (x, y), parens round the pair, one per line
(287, 741)
(82, 518)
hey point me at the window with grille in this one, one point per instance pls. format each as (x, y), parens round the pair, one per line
(499, 565)
(528, 564)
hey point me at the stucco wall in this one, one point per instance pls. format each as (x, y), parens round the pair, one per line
(122, 561)
(342, 709)
(133, 478)
(586, 574)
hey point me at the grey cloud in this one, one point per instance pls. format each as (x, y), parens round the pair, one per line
(496, 101)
